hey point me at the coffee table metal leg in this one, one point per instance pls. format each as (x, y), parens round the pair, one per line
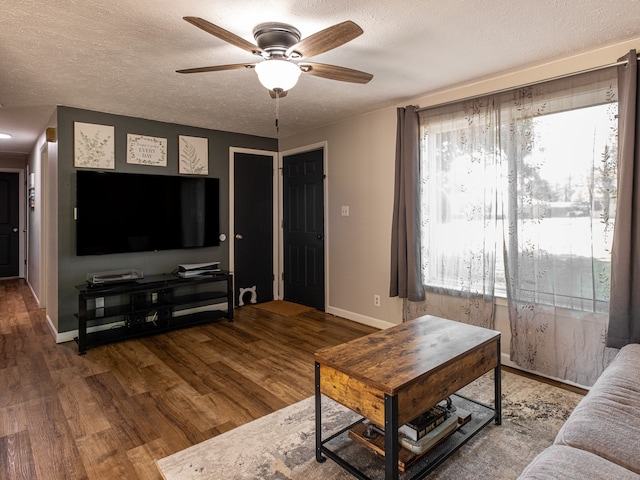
(497, 381)
(391, 447)
(319, 457)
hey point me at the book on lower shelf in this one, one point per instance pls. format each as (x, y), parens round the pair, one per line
(424, 423)
(410, 451)
(436, 425)
(430, 439)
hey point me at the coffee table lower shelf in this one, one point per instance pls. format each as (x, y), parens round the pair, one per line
(409, 462)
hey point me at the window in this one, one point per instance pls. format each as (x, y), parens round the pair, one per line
(518, 193)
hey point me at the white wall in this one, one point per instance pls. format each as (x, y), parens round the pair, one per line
(42, 240)
(361, 160)
(34, 226)
(50, 247)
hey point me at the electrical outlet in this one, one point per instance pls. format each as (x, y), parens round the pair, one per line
(376, 300)
(345, 211)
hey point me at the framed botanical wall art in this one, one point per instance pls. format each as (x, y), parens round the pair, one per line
(144, 150)
(93, 146)
(193, 155)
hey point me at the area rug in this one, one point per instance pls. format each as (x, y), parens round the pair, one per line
(281, 307)
(282, 445)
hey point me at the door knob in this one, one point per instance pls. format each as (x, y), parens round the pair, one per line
(239, 236)
(320, 236)
(15, 230)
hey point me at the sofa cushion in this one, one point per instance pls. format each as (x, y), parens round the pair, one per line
(606, 422)
(568, 463)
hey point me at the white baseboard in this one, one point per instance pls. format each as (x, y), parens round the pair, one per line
(69, 336)
(356, 317)
(506, 361)
(73, 334)
(52, 328)
(34, 294)
(204, 308)
(63, 337)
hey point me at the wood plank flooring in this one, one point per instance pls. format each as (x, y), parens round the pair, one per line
(110, 413)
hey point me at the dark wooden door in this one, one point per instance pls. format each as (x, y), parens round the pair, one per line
(303, 202)
(253, 228)
(9, 224)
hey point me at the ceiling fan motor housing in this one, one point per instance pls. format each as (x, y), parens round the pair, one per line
(275, 38)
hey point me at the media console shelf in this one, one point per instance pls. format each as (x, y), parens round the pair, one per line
(150, 305)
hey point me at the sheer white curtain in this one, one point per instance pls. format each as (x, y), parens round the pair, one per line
(459, 185)
(559, 140)
(518, 196)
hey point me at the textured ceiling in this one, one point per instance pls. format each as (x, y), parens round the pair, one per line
(121, 56)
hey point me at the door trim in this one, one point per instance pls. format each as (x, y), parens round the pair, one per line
(324, 146)
(276, 229)
(44, 229)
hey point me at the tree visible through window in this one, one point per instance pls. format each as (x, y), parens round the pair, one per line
(561, 204)
(518, 194)
(532, 173)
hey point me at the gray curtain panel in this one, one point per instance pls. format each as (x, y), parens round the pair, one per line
(406, 279)
(624, 304)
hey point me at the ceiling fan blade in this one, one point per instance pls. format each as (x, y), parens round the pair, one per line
(223, 34)
(217, 68)
(325, 40)
(281, 94)
(333, 72)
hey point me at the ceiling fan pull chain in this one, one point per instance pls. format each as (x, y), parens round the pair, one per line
(277, 112)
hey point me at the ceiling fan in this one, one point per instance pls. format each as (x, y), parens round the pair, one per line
(280, 47)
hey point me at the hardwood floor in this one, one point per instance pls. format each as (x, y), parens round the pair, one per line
(110, 413)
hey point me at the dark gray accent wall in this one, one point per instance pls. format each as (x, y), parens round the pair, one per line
(72, 269)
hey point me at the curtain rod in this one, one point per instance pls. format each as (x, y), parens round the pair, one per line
(495, 92)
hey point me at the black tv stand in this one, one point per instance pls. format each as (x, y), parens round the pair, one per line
(150, 305)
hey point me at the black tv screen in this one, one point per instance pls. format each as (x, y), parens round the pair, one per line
(125, 212)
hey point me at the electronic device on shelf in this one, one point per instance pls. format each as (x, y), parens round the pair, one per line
(114, 276)
(192, 269)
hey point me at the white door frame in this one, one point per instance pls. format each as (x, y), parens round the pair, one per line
(44, 221)
(276, 230)
(325, 166)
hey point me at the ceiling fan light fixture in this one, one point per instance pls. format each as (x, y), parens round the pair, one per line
(278, 74)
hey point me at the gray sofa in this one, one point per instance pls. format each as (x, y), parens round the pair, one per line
(601, 437)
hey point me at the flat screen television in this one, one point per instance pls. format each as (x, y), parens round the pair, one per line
(127, 212)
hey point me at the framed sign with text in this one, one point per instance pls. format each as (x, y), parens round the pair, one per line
(144, 150)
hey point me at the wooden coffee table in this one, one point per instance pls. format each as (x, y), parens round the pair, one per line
(391, 376)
